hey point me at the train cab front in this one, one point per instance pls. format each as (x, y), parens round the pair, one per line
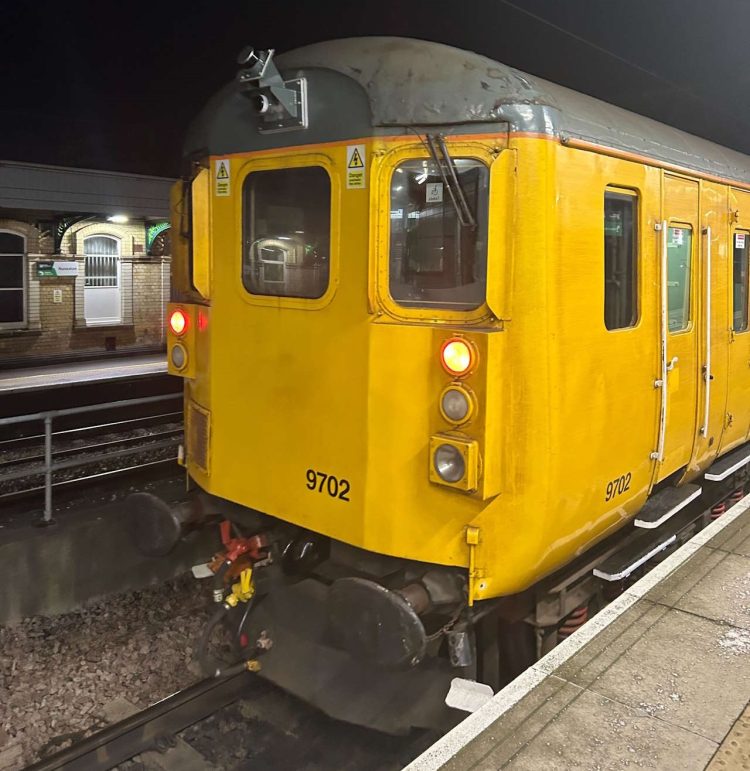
(335, 320)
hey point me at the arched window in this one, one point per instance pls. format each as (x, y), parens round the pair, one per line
(12, 279)
(101, 295)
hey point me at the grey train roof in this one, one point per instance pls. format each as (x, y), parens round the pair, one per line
(379, 85)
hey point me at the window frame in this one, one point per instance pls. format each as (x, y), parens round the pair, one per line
(634, 195)
(381, 177)
(118, 242)
(8, 325)
(278, 162)
(746, 232)
(676, 223)
(446, 204)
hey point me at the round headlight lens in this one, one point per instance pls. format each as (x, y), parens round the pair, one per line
(178, 356)
(449, 463)
(178, 322)
(456, 356)
(455, 405)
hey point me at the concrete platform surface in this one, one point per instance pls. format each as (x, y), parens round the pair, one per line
(659, 679)
(31, 378)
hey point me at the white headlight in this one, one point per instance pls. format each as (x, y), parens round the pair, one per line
(455, 405)
(178, 355)
(449, 463)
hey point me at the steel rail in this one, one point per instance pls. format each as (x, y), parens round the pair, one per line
(49, 467)
(139, 732)
(126, 424)
(91, 478)
(68, 451)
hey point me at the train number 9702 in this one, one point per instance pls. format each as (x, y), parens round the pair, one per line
(327, 483)
(618, 486)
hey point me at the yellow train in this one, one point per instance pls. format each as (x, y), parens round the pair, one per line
(447, 332)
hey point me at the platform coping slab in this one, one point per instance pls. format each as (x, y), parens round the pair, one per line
(660, 611)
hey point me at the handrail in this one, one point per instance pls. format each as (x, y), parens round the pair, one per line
(707, 365)
(87, 408)
(47, 417)
(658, 454)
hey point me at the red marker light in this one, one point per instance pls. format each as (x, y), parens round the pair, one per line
(202, 321)
(178, 322)
(456, 356)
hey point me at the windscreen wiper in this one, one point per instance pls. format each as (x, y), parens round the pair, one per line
(447, 167)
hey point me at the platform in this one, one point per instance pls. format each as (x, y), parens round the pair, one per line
(89, 552)
(659, 679)
(32, 378)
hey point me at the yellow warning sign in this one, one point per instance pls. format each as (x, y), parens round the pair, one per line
(355, 162)
(222, 177)
(355, 166)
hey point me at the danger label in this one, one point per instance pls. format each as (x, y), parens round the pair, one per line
(355, 166)
(739, 240)
(222, 177)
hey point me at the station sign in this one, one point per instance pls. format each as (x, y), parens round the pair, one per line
(56, 269)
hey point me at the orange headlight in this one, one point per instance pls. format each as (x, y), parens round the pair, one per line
(457, 356)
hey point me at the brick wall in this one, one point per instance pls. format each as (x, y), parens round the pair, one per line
(56, 323)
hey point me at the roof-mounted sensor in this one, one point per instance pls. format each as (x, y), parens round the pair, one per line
(281, 104)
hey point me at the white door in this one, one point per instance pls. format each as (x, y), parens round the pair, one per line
(101, 292)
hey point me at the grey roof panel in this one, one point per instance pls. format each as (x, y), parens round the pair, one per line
(380, 85)
(418, 82)
(413, 82)
(338, 109)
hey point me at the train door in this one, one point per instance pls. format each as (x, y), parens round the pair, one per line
(738, 397)
(680, 250)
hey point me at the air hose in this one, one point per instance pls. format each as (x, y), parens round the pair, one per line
(218, 582)
(241, 592)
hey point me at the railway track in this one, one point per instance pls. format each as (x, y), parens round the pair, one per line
(153, 727)
(260, 725)
(91, 445)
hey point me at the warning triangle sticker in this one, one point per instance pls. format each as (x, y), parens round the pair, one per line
(355, 162)
(222, 173)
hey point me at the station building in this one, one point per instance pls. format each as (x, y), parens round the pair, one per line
(84, 263)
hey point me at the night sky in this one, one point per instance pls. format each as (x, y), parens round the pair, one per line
(114, 85)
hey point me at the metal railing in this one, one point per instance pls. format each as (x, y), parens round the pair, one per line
(48, 467)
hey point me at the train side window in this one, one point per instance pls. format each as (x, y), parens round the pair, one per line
(435, 261)
(287, 232)
(740, 281)
(620, 259)
(679, 256)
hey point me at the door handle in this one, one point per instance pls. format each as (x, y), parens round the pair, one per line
(672, 364)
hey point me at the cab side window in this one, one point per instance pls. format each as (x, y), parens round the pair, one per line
(436, 261)
(741, 248)
(287, 225)
(620, 259)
